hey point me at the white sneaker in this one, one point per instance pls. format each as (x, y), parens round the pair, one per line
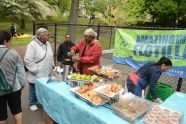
(33, 108)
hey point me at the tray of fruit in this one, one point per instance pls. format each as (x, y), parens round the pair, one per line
(104, 71)
(80, 77)
(162, 115)
(84, 78)
(86, 93)
(109, 90)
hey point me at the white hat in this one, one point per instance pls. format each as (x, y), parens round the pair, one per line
(91, 32)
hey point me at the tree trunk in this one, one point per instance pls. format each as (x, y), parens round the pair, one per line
(73, 19)
(22, 23)
(90, 20)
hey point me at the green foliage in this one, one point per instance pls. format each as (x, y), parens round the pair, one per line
(134, 12)
(63, 5)
(124, 12)
(93, 8)
(22, 10)
(162, 11)
(167, 11)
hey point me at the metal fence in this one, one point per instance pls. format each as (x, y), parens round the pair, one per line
(106, 36)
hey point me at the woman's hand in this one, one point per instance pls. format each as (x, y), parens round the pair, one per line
(76, 59)
(72, 52)
(158, 100)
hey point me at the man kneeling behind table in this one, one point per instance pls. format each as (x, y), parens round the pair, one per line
(148, 75)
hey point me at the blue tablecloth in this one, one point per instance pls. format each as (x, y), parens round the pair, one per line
(63, 107)
(177, 102)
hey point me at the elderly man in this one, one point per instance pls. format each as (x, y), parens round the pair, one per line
(39, 62)
(89, 50)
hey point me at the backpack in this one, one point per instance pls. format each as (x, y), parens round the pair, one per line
(5, 87)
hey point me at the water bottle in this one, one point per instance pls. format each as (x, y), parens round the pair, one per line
(65, 72)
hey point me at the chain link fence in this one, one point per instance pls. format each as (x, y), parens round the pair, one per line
(105, 36)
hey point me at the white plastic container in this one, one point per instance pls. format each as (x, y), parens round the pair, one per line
(162, 115)
(130, 107)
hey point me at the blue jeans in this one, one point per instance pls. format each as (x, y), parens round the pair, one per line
(32, 95)
(130, 85)
(137, 90)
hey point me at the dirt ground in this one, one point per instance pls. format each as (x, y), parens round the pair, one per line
(20, 49)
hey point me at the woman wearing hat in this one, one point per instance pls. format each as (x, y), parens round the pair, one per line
(89, 50)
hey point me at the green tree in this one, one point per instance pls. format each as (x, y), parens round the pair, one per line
(20, 11)
(163, 13)
(63, 5)
(181, 12)
(93, 8)
(167, 12)
(124, 12)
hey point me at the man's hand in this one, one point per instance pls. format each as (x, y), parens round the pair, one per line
(158, 100)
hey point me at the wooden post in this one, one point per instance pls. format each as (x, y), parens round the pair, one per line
(34, 29)
(55, 43)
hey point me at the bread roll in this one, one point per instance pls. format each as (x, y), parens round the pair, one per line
(97, 99)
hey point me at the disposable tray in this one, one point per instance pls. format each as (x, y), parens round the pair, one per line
(104, 75)
(84, 81)
(73, 90)
(130, 109)
(79, 80)
(162, 115)
(100, 88)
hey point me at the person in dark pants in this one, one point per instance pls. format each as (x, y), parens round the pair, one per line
(12, 30)
(148, 74)
(14, 70)
(63, 49)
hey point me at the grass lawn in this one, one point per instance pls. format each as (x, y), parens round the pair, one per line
(17, 42)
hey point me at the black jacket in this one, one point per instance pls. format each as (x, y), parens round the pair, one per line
(62, 51)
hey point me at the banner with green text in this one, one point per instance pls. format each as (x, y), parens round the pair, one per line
(138, 47)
